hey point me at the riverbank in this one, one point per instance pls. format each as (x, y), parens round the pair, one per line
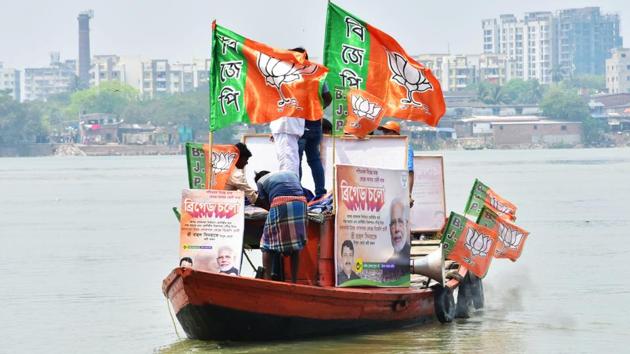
(46, 149)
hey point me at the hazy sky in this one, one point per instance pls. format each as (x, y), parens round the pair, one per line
(180, 30)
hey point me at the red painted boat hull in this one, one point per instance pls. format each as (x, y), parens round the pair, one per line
(212, 306)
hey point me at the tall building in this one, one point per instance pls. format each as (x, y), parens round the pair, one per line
(585, 38)
(618, 71)
(527, 44)
(10, 82)
(548, 47)
(84, 48)
(41, 83)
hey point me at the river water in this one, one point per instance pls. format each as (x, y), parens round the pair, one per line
(86, 241)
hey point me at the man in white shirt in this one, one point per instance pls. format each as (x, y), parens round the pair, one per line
(286, 132)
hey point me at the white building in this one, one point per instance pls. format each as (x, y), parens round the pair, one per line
(456, 72)
(41, 83)
(527, 43)
(618, 71)
(10, 81)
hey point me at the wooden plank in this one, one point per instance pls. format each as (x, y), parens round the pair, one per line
(425, 242)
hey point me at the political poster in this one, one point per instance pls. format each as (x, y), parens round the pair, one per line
(428, 212)
(211, 230)
(372, 238)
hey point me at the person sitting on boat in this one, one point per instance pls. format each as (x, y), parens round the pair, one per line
(225, 261)
(398, 264)
(285, 228)
(237, 180)
(393, 128)
(186, 262)
(347, 263)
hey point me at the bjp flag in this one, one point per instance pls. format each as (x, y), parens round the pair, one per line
(511, 237)
(481, 195)
(361, 56)
(365, 112)
(469, 244)
(223, 160)
(251, 82)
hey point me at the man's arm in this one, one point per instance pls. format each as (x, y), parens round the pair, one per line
(326, 96)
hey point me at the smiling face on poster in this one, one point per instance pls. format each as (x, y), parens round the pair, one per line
(211, 230)
(372, 238)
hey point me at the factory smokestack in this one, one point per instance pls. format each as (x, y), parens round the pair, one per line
(84, 48)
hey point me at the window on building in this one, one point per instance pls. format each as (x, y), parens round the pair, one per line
(563, 127)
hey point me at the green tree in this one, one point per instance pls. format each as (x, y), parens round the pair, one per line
(519, 91)
(490, 93)
(108, 97)
(564, 104)
(20, 123)
(592, 83)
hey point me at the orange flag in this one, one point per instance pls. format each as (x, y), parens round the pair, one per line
(365, 112)
(471, 245)
(224, 159)
(511, 237)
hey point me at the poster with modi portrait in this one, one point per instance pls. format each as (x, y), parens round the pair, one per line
(372, 231)
(211, 230)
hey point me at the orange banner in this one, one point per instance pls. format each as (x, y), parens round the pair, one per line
(365, 112)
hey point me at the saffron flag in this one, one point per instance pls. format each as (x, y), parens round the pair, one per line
(364, 114)
(511, 237)
(251, 82)
(481, 195)
(224, 159)
(469, 244)
(363, 57)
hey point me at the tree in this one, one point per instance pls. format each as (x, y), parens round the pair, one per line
(108, 97)
(20, 123)
(592, 83)
(564, 104)
(490, 93)
(519, 91)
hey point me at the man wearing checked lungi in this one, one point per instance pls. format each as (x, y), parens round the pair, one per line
(285, 228)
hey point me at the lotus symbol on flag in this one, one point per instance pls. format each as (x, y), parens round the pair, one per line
(499, 206)
(478, 243)
(510, 237)
(363, 108)
(221, 161)
(409, 77)
(278, 72)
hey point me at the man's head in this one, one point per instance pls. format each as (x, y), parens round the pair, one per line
(347, 256)
(225, 258)
(243, 155)
(390, 128)
(398, 224)
(260, 175)
(186, 262)
(300, 50)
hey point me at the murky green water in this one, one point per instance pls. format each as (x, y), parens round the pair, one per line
(85, 243)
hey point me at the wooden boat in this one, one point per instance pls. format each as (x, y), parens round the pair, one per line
(213, 306)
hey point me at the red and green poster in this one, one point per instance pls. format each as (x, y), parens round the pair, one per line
(251, 82)
(471, 245)
(481, 195)
(511, 237)
(361, 56)
(224, 159)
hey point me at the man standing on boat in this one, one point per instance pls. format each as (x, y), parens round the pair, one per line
(237, 180)
(398, 264)
(347, 257)
(285, 228)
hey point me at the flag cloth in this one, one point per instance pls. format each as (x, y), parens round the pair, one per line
(365, 112)
(361, 56)
(251, 82)
(511, 237)
(224, 159)
(481, 195)
(469, 244)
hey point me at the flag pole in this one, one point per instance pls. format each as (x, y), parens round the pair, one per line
(210, 174)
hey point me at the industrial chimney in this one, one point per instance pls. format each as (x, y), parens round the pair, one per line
(84, 48)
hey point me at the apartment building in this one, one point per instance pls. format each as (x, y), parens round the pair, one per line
(618, 71)
(458, 71)
(58, 77)
(10, 82)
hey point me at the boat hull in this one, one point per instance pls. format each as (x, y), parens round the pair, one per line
(213, 306)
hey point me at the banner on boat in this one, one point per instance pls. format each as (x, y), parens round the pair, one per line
(429, 208)
(511, 237)
(211, 230)
(481, 195)
(251, 82)
(469, 244)
(372, 236)
(224, 159)
(363, 57)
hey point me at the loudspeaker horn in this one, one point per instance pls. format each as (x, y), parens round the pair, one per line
(431, 265)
